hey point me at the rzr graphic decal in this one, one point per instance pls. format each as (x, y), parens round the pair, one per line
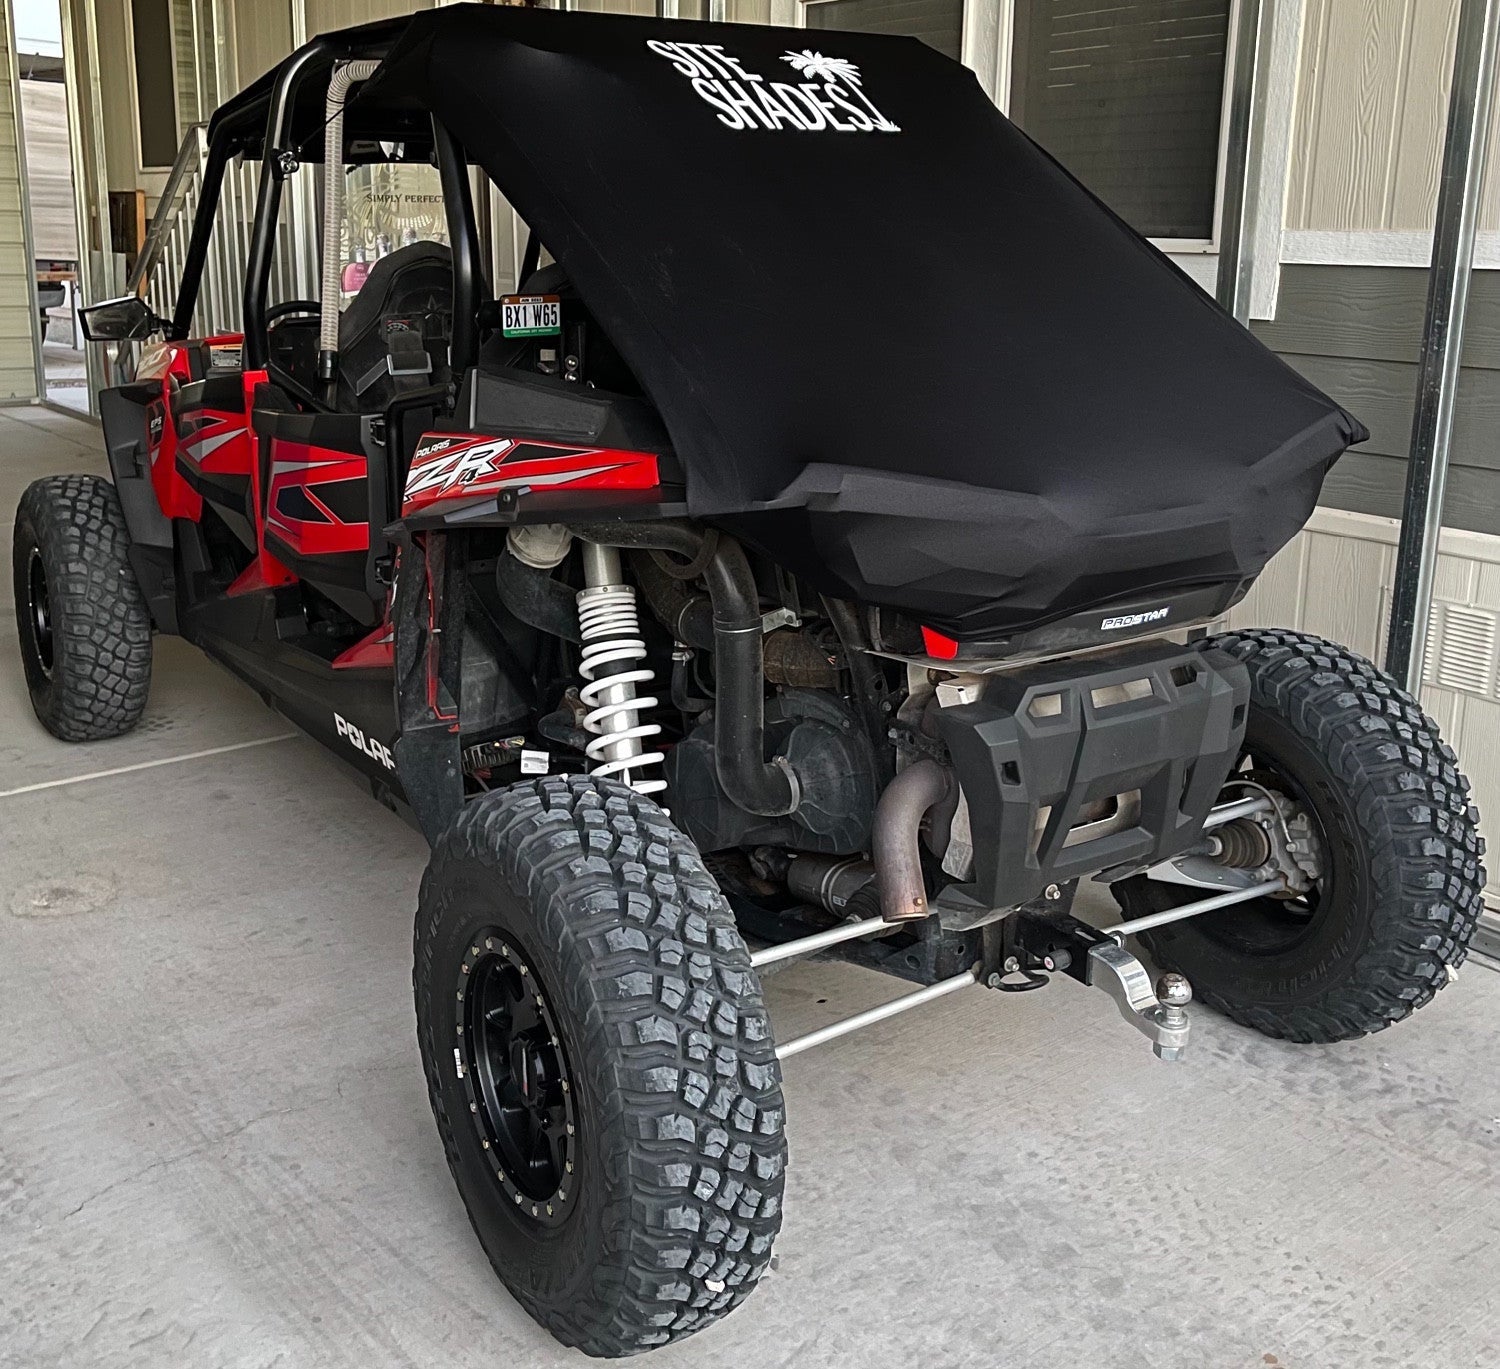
(168, 364)
(374, 651)
(211, 442)
(462, 465)
(308, 503)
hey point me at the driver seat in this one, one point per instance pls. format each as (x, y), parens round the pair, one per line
(394, 335)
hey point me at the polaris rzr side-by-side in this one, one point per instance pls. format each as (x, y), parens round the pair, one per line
(817, 552)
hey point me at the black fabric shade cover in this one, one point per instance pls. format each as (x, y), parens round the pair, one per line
(894, 342)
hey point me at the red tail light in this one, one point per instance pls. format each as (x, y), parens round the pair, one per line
(937, 646)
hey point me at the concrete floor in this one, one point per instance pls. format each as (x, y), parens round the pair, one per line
(215, 1146)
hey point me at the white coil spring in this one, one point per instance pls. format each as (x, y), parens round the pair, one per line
(611, 633)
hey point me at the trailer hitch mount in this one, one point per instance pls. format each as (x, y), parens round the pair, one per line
(1037, 945)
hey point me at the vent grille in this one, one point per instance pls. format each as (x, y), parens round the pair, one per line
(1466, 650)
(1461, 649)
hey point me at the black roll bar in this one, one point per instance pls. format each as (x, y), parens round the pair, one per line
(278, 161)
(463, 238)
(219, 152)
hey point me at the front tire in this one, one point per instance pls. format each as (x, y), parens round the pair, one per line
(615, 1134)
(1401, 887)
(84, 627)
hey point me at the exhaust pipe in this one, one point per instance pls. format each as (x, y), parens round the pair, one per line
(897, 847)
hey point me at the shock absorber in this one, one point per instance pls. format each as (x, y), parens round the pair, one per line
(612, 646)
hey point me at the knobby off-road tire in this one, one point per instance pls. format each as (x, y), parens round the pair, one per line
(84, 626)
(1401, 893)
(676, 1162)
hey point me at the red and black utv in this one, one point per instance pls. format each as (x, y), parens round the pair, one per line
(815, 551)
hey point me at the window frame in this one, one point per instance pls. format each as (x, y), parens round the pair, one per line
(127, 11)
(965, 9)
(987, 47)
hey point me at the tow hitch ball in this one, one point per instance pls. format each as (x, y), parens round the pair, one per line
(1039, 945)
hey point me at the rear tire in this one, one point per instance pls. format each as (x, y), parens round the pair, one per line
(83, 623)
(638, 1083)
(1403, 883)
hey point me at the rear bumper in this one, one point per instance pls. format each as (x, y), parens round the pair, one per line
(1154, 727)
(1116, 622)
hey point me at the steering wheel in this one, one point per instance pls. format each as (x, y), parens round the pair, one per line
(292, 306)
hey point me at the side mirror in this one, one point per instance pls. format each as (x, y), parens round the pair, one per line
(119, 320)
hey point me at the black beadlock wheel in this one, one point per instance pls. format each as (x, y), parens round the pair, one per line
(1399, 889)
(600, 1063)
(83, 624)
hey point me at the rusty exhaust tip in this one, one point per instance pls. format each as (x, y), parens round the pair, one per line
(897, 838)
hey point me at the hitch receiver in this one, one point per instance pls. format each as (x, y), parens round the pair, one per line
(1063, 944)
(1160, 1013)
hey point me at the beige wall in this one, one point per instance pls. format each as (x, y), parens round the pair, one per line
(116, 99)
(1461, 669)
(49, 172)
(749, 11)
(323, 15)
(636, 7)
(262, 36)
(1371, 108)
(17, 335)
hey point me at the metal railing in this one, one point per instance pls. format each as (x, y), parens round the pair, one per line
(157, 274)
(157, 270)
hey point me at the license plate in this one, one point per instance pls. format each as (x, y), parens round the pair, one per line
(530, 316)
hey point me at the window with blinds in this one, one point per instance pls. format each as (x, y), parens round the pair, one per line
(938, 23)
(1128, 95)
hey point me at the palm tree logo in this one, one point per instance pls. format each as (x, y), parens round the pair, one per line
(820, 68)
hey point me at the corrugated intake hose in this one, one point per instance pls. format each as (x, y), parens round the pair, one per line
(345, 75)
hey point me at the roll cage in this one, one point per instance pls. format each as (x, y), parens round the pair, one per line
(280, 121)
